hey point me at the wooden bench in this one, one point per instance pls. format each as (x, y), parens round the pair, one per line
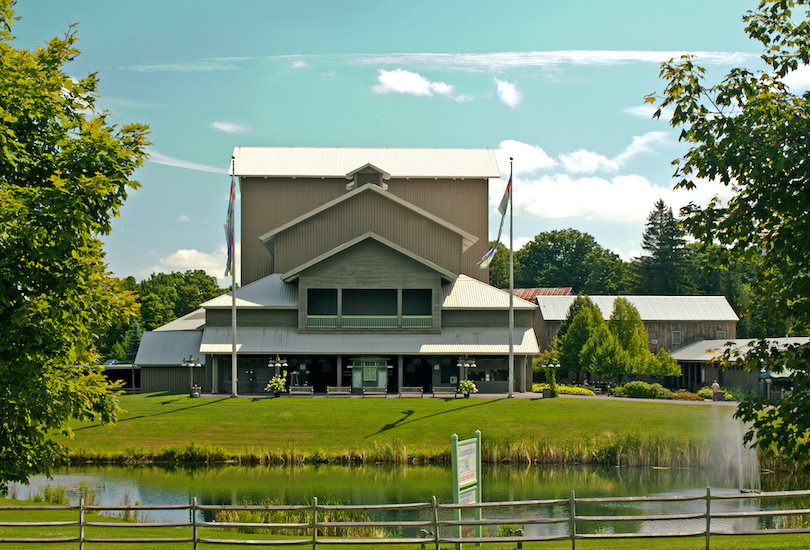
(375, 392)
(444, 391)
(410, 391)
(338, 391)
(305, 391)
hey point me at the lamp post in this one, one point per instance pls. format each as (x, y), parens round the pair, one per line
(277, 364)
(463, 364)
(191, 363)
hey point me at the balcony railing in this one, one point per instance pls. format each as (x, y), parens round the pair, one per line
(417, 321)
(369, 321)
(322, 321)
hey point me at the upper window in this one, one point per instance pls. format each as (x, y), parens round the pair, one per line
(676, 337)
(721, 334)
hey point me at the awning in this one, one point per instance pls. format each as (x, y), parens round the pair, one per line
(452, 341)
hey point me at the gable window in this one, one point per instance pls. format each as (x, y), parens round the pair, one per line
(676, 337)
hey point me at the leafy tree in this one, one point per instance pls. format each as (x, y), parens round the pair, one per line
(499, 267)
(584, 322)
(567, 257)
(63, 175)
(663, 364)
(167, 296)
(628, 329)
(666, 270)
(604, 356)
(749, 132)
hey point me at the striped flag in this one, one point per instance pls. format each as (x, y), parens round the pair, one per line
(484, 262)
(229, 268)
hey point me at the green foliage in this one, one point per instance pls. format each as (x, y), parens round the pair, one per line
(567, 257)
(637, 388)
(133, 341)
(666, 271)
(684, 395)
(467, 386)
(749, 132)
(499, 266)
(64, 174)
(277, 384)
(663, 364)
(574, 390)
(51, 495)
(551, 380)
(166, 296)
(587, 319)
(707, 393)
(628, 328)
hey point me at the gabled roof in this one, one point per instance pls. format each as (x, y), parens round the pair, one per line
(706, 351)
(385, 174)
(169, 347)
(467, 238)
(335, 162)
(293, 274)
(267, 292)
(650, 308)
(531, 293)
(190, 321)
(468, 293)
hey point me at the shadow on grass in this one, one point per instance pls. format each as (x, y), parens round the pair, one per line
(405, 419)
(122, 420)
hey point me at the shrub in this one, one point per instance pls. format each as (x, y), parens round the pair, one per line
(467, 386)
(684, 395)
(52, 495)
(707, 393)
(573, 390)
(644, 390)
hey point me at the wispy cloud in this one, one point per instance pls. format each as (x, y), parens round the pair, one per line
(400, 81)
(299, 64)
(587, 162)
(642, 144)
(213, 263)
(500, 61)
(184, 218)
(508, 93)
(201, 65)
(159, 158)
(231, 128)
(530, 158)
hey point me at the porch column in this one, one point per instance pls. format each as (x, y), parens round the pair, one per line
(339, 369)
(400, 370)
(214, 374)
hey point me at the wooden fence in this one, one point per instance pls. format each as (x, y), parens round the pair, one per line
(434, 527)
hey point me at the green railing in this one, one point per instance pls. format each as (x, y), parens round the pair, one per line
(322, 321)
(369, 321)
(417, 321)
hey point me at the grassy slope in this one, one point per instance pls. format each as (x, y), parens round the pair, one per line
(154, 421)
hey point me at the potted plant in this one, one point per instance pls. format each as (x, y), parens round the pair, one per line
(277, 384)
(467, 387)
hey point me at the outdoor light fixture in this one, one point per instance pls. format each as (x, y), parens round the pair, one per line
(277, 364)
(191, 363)
(465, 362)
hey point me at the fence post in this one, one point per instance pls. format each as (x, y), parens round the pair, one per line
(194, 521)
(314, 523)
(573, 507)
(708, 515)
(436, 521)
(81, 523)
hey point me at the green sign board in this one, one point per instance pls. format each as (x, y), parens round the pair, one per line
(466, 458)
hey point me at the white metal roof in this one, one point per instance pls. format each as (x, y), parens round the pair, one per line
(477, 341)
(190, 321)
(468, 293)
(334, 162)
(706, 351)
(650, 308)
(267, 292)
(169, 347)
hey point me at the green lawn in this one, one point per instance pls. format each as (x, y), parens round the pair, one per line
(423, 426)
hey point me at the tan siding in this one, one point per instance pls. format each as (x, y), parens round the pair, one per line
(169, 379)
(269, 203)
(367, 212)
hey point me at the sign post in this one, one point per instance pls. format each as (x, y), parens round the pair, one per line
(466, 458)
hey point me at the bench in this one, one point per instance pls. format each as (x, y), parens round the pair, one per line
(410, 391)
(444, 391)
(305, 391)
(375, 392)
(338, 391)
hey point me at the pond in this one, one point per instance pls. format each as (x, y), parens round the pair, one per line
(381, 484)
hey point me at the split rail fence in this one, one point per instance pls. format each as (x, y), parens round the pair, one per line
(433, 528)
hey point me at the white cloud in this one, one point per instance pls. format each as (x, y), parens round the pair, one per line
(508, 93)
(202, 65)
(299, 64)
(231, 128)
(646, 111)
(623, 198)
(588, 162)
(159, 158)
(798, 80)
(184, 218)
(400, 81)
(501, 61)
(528, 158)
(642, 144)
(212, 263)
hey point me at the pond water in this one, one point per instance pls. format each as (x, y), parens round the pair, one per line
(227, 484)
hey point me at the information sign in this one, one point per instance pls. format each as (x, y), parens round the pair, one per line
(466, 459)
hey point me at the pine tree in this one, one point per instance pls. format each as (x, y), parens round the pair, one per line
(665, 271)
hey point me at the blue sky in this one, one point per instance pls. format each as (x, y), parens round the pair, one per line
(557, 85)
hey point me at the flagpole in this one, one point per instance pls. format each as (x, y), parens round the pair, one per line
(511, 288)
(234, 371)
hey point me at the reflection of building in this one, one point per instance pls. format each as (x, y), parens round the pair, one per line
(358, 268)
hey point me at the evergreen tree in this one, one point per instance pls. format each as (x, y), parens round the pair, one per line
(666, 270)
(133, 341)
